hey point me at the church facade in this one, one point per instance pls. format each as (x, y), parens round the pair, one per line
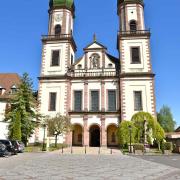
(97, 91)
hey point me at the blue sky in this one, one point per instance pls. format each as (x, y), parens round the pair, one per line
(23, 22)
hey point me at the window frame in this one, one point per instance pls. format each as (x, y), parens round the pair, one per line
(94, 90)
(57, 50)
(108, 90)
(131, 54)
(139, 108)
(81, 100)
(50, 100)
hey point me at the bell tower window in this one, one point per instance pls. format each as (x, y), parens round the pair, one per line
(135, 55)
(58, 29)
(55, 58)
(133, 26)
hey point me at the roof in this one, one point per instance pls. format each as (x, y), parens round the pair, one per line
(61, 3)
(178, 129)
(101, 46)
(7, 81)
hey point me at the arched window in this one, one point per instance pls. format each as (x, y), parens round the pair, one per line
(58, 29)
(133, 26)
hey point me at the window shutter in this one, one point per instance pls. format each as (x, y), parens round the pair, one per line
(112, 100)
(138, 101)
(78, 100)
(52, 101)
(55, 58)
(95, 100)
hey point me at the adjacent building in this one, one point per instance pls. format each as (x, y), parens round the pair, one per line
(8, 86)
(97, 91)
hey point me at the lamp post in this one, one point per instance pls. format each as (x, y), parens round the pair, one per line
(130, 132)
(44, 138)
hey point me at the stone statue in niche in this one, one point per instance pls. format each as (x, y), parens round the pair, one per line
(95, 61)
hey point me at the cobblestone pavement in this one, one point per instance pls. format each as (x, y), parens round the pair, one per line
(53, 166)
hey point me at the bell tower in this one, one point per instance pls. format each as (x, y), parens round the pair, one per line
(58, 54)
(136, 77)
(59, 46)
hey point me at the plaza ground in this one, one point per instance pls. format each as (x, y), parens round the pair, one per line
(54, 165)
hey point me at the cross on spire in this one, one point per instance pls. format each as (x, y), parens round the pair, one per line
(94, 37)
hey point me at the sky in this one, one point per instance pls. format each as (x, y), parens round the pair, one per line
(23, 22)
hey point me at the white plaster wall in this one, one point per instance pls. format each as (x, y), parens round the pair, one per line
(130, 87)
(47, 57)
(3, 130)
(143, 66)
(46, 88)
(77, 120)
(111, 120)
(3, 125)
(94, 120)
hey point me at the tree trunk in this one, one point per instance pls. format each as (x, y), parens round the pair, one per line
(159, 146)
(56, 140)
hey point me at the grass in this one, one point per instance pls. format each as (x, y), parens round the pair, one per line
(38, 147)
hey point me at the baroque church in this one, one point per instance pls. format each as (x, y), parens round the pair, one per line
(97, 91)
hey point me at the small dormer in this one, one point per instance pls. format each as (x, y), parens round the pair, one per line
(13, 89)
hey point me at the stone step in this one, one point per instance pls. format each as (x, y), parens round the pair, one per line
(91, 150)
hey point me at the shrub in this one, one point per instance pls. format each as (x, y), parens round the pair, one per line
(139, 147)
(167, 146)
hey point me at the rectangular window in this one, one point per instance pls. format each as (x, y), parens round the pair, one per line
(55, 58)
(111, 100)
(72, 59)
(78, 100)
(52, 101)
(94, 101)
(135, 55)
(138, 101)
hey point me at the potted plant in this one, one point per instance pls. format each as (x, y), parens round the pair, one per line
(167, 148)
(138, 149)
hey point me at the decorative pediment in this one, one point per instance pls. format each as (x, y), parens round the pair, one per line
(95, 45)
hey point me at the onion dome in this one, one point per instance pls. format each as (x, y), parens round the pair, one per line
(131, 1)
(61, 3)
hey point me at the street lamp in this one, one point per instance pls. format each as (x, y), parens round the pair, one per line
(44, 138)
(130, 131)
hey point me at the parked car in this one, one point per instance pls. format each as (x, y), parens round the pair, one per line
(3, 150)
(18, 145)
(10, 148)
(21, 146)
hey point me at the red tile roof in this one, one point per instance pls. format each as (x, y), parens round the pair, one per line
(7, 81)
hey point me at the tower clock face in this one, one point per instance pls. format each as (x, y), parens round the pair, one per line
(58, 17)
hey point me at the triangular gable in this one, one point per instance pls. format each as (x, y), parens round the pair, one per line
(95, 45)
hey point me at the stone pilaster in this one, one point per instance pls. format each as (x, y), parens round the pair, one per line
(86, 96)
(103, 96)
(103, 132)
(86, 131)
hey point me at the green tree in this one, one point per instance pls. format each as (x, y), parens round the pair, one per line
(159, 134)
(165, 119)
(124, 132)
(58, 125)
(139, 122)
(17, 128)
(25, 104)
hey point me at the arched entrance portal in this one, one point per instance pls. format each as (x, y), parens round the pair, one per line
(112, 140)
(77, 135)
(94, 136)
